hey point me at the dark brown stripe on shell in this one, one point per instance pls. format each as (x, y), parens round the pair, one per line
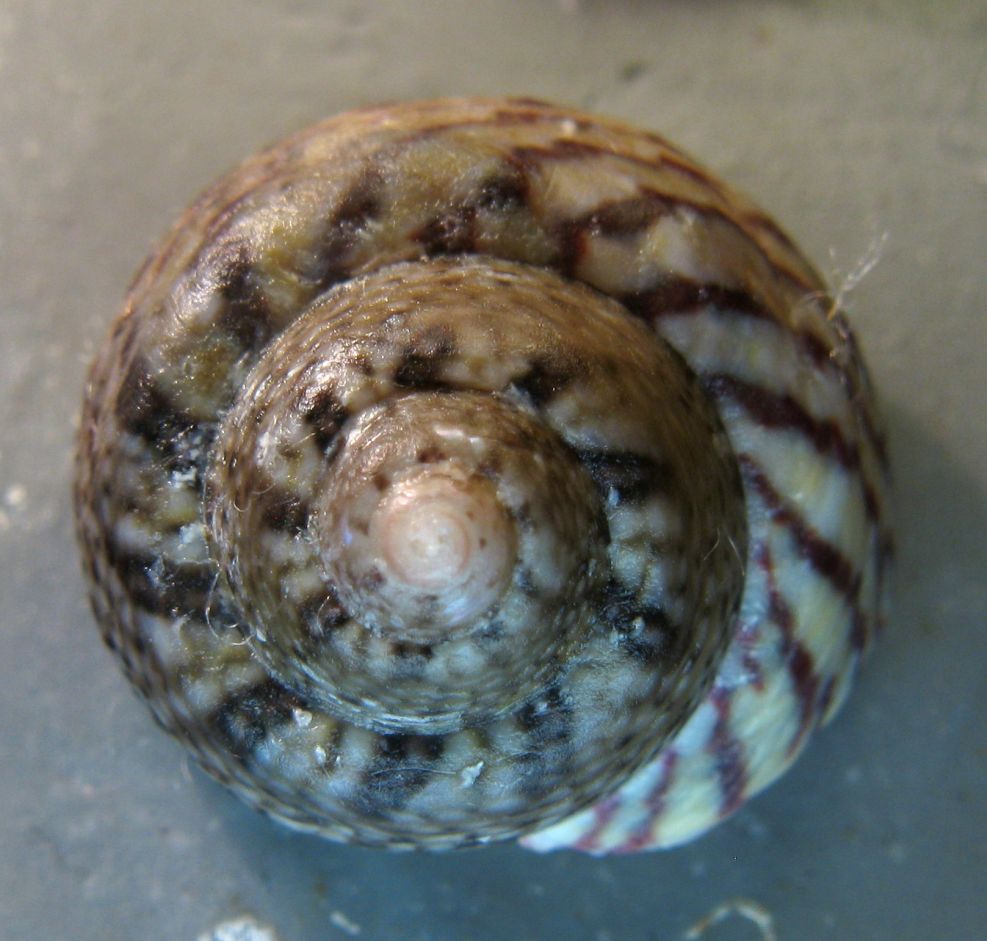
(708, 211)
(677, 295)
(603, 813)
(654, 804)
(859, 387)
(728, 755)
(685, 167)
(776, 411)
(798, 661)
(749, 636)
(570, 237)
(533, 157)
(505, 192)
(823, 557)
(624, 218)
(761, 220)
(783, 412)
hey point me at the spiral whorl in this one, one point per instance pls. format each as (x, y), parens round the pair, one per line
(421, 547)
(429, 484)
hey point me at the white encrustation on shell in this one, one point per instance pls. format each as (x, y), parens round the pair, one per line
(474, 469)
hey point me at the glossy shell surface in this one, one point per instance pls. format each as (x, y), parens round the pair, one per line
(473, 469)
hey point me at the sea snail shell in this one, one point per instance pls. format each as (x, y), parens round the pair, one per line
(471, 469)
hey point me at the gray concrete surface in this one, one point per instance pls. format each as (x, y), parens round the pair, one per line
(848, 120)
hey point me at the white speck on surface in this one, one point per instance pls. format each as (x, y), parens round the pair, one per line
(265, 446)
(344, 924)
(302, 717)
(180, 478)
(239, 929)
(468, 776)
(191, 534)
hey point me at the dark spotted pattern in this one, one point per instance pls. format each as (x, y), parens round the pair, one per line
(325, 416)
(282, 510)
(543, 379)
(357, 209)
(504, 193)
(145, 410)
(245, 313)
(630, 477)
(399, 771)
(323, 614)
(161, 586)
(645, 631)
(421, 362)
(449, 234)
(244, 719)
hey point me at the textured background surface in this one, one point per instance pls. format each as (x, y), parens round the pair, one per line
(846, 120)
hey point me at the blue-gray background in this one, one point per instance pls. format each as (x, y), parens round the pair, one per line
(847, 120)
